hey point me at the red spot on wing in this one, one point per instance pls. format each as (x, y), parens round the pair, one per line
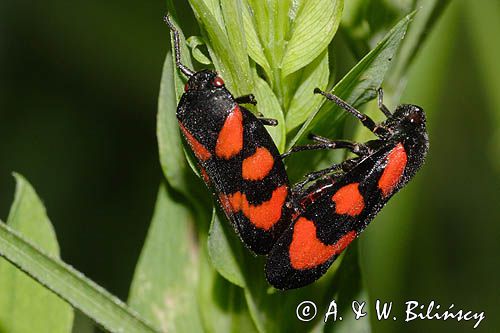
(257, 166)
(204, 175)
(396, 163)
(348, 200)
(230, 140)
(307, 251)
(226, 204)
(199, 150)
(262, 216)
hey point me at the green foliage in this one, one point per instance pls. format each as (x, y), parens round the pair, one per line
(53, 315)
(24, 304)
(194, 274)
(165, 279)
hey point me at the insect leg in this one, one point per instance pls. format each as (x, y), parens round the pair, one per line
(185, 70)
(246, 99)
(380, 102)
(268, 121)
(365, 120)
(325, 143)
(315, 175)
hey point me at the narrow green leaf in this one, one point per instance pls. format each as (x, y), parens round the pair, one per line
(226, 60)
(359, 85)
(224, 250)
(254, 46)
(20, 296)
(194, 42)
(313, 29)
(271, 20)
(215, 10)
(69, 284)
(164, 286)
(172, 158)
(232, 11)
(304, 102)
(269, 107)
(175, 160)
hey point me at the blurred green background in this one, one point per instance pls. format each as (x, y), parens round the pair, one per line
(78, 90)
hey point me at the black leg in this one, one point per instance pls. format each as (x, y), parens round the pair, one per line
(186, 71)
(365, 120)
(246, 99)
(380, 102)
(316, 175)
(324, 143)
(299, 187)
(268, 121)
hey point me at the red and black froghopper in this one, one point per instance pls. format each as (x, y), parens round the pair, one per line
(236, 155)
(345, 198)
(304, 232)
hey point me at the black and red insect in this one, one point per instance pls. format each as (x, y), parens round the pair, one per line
(305, 229)
(343, 199)
(237, 157)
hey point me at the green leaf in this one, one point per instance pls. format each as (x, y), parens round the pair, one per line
(304, 102)
(232, 11)
(215, 10)
(254, 46)
(359, 85)
(232, 63)
(271, 21)
(224, 250)
(221, 303)
(313, 29)
(172, 158)
(21, 297)
(69, 284)
(269, 106)
(164, 286)
(194, 42)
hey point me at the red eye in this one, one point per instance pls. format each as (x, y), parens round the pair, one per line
(186, 86)
(218, 82)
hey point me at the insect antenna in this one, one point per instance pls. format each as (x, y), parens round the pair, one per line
(184, 69)
(380, 102)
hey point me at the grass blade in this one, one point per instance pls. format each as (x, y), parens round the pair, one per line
(69, 284)
(21, 297)
(254, 46)
(172, 158)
